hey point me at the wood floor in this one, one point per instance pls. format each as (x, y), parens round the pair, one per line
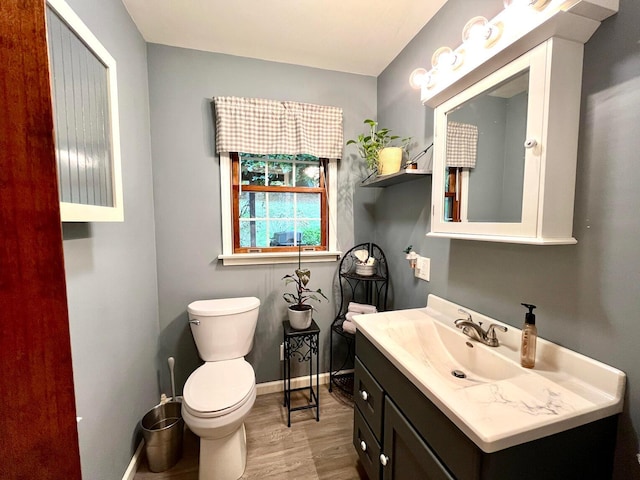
(309, 450)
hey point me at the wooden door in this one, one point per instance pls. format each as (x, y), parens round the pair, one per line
(38, 431)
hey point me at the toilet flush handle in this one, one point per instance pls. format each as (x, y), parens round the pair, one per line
(195, 322)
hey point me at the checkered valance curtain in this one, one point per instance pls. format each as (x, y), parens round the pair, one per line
(462, 145)
(256, 125)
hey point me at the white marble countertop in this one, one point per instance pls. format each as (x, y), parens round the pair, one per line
(499, 404)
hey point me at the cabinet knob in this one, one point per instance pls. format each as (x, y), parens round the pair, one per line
(384, 459)
(530, 143)
(364, 395)
(363, 446)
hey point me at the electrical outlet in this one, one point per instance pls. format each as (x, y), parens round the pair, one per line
(281, 351)
(423, 268)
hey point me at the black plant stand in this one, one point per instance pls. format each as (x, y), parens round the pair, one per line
(304, 344)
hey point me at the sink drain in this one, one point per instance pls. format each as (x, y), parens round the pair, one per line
(458, 374)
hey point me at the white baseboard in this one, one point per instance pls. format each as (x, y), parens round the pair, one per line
(297, 382)
(261, 389)
(131, 470)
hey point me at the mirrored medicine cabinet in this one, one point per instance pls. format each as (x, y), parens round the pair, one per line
(506, 148)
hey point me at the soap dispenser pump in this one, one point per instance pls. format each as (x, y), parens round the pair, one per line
(529, 337)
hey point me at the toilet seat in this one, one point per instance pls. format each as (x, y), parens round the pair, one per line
(219, 388)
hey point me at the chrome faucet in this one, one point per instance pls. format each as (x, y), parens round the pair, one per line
(475, 330)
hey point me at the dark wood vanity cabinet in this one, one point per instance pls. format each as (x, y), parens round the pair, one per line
(399, 434)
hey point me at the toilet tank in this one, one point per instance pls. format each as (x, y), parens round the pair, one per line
(223, 328)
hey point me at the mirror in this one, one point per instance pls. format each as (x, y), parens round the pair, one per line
(485, 154)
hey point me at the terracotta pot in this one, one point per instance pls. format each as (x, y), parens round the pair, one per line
(300, 316)
(389, 160)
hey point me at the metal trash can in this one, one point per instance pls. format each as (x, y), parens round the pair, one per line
(163, 428)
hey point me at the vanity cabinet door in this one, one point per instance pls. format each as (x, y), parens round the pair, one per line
(406, 455)
(369, 398)
(366, 445)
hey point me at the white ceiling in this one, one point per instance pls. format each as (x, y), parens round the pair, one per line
(355, 36)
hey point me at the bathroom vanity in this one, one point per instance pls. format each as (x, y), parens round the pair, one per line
(493, 420)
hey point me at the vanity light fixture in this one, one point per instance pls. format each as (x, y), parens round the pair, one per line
(478, 35)
(522, 25)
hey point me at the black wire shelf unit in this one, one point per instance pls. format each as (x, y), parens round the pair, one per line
(368, 289)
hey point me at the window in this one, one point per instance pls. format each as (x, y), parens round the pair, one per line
(452, 189)
(279, 203)
(269, 216)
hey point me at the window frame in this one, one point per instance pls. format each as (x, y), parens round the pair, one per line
(274, 255)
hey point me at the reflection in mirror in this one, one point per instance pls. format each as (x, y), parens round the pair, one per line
(485, 155)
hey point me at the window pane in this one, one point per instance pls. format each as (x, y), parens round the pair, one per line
(283, 233)
(448, 209)
(308, 205)
(253, 233)
(252, 171)
(310, 230)
(280, 173)
(253, 204)
(307, 174)
(281, 205)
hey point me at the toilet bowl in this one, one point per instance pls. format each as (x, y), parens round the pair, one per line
(218, 396)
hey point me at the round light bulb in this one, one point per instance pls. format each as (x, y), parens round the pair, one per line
(445, 59)
(418, 78)
(479, 32)
(476, 30)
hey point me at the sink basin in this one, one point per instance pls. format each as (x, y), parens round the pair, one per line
(484, 390)
(446, 350)
(450, 352)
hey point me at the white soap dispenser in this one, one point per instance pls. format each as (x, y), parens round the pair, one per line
(529, 338)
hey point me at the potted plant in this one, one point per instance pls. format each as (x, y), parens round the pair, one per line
(381, 150)
(300, 312)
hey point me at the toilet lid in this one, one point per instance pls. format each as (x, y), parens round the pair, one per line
(219, 386)
(222, 306)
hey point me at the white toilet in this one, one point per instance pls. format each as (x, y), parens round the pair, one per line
(218, 396)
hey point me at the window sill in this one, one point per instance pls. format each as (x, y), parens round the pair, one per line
(275, 258)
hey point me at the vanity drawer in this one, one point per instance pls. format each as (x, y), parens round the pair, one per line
(366, 445)
(369, 398)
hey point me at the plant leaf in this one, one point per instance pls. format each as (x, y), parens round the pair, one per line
(304, 276)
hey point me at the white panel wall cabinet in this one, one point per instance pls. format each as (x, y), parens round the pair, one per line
(85, 104)
(523, 185)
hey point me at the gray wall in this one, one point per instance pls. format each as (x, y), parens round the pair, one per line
(496, 182)
(111, 273)
(587, 294)
(186, 180)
